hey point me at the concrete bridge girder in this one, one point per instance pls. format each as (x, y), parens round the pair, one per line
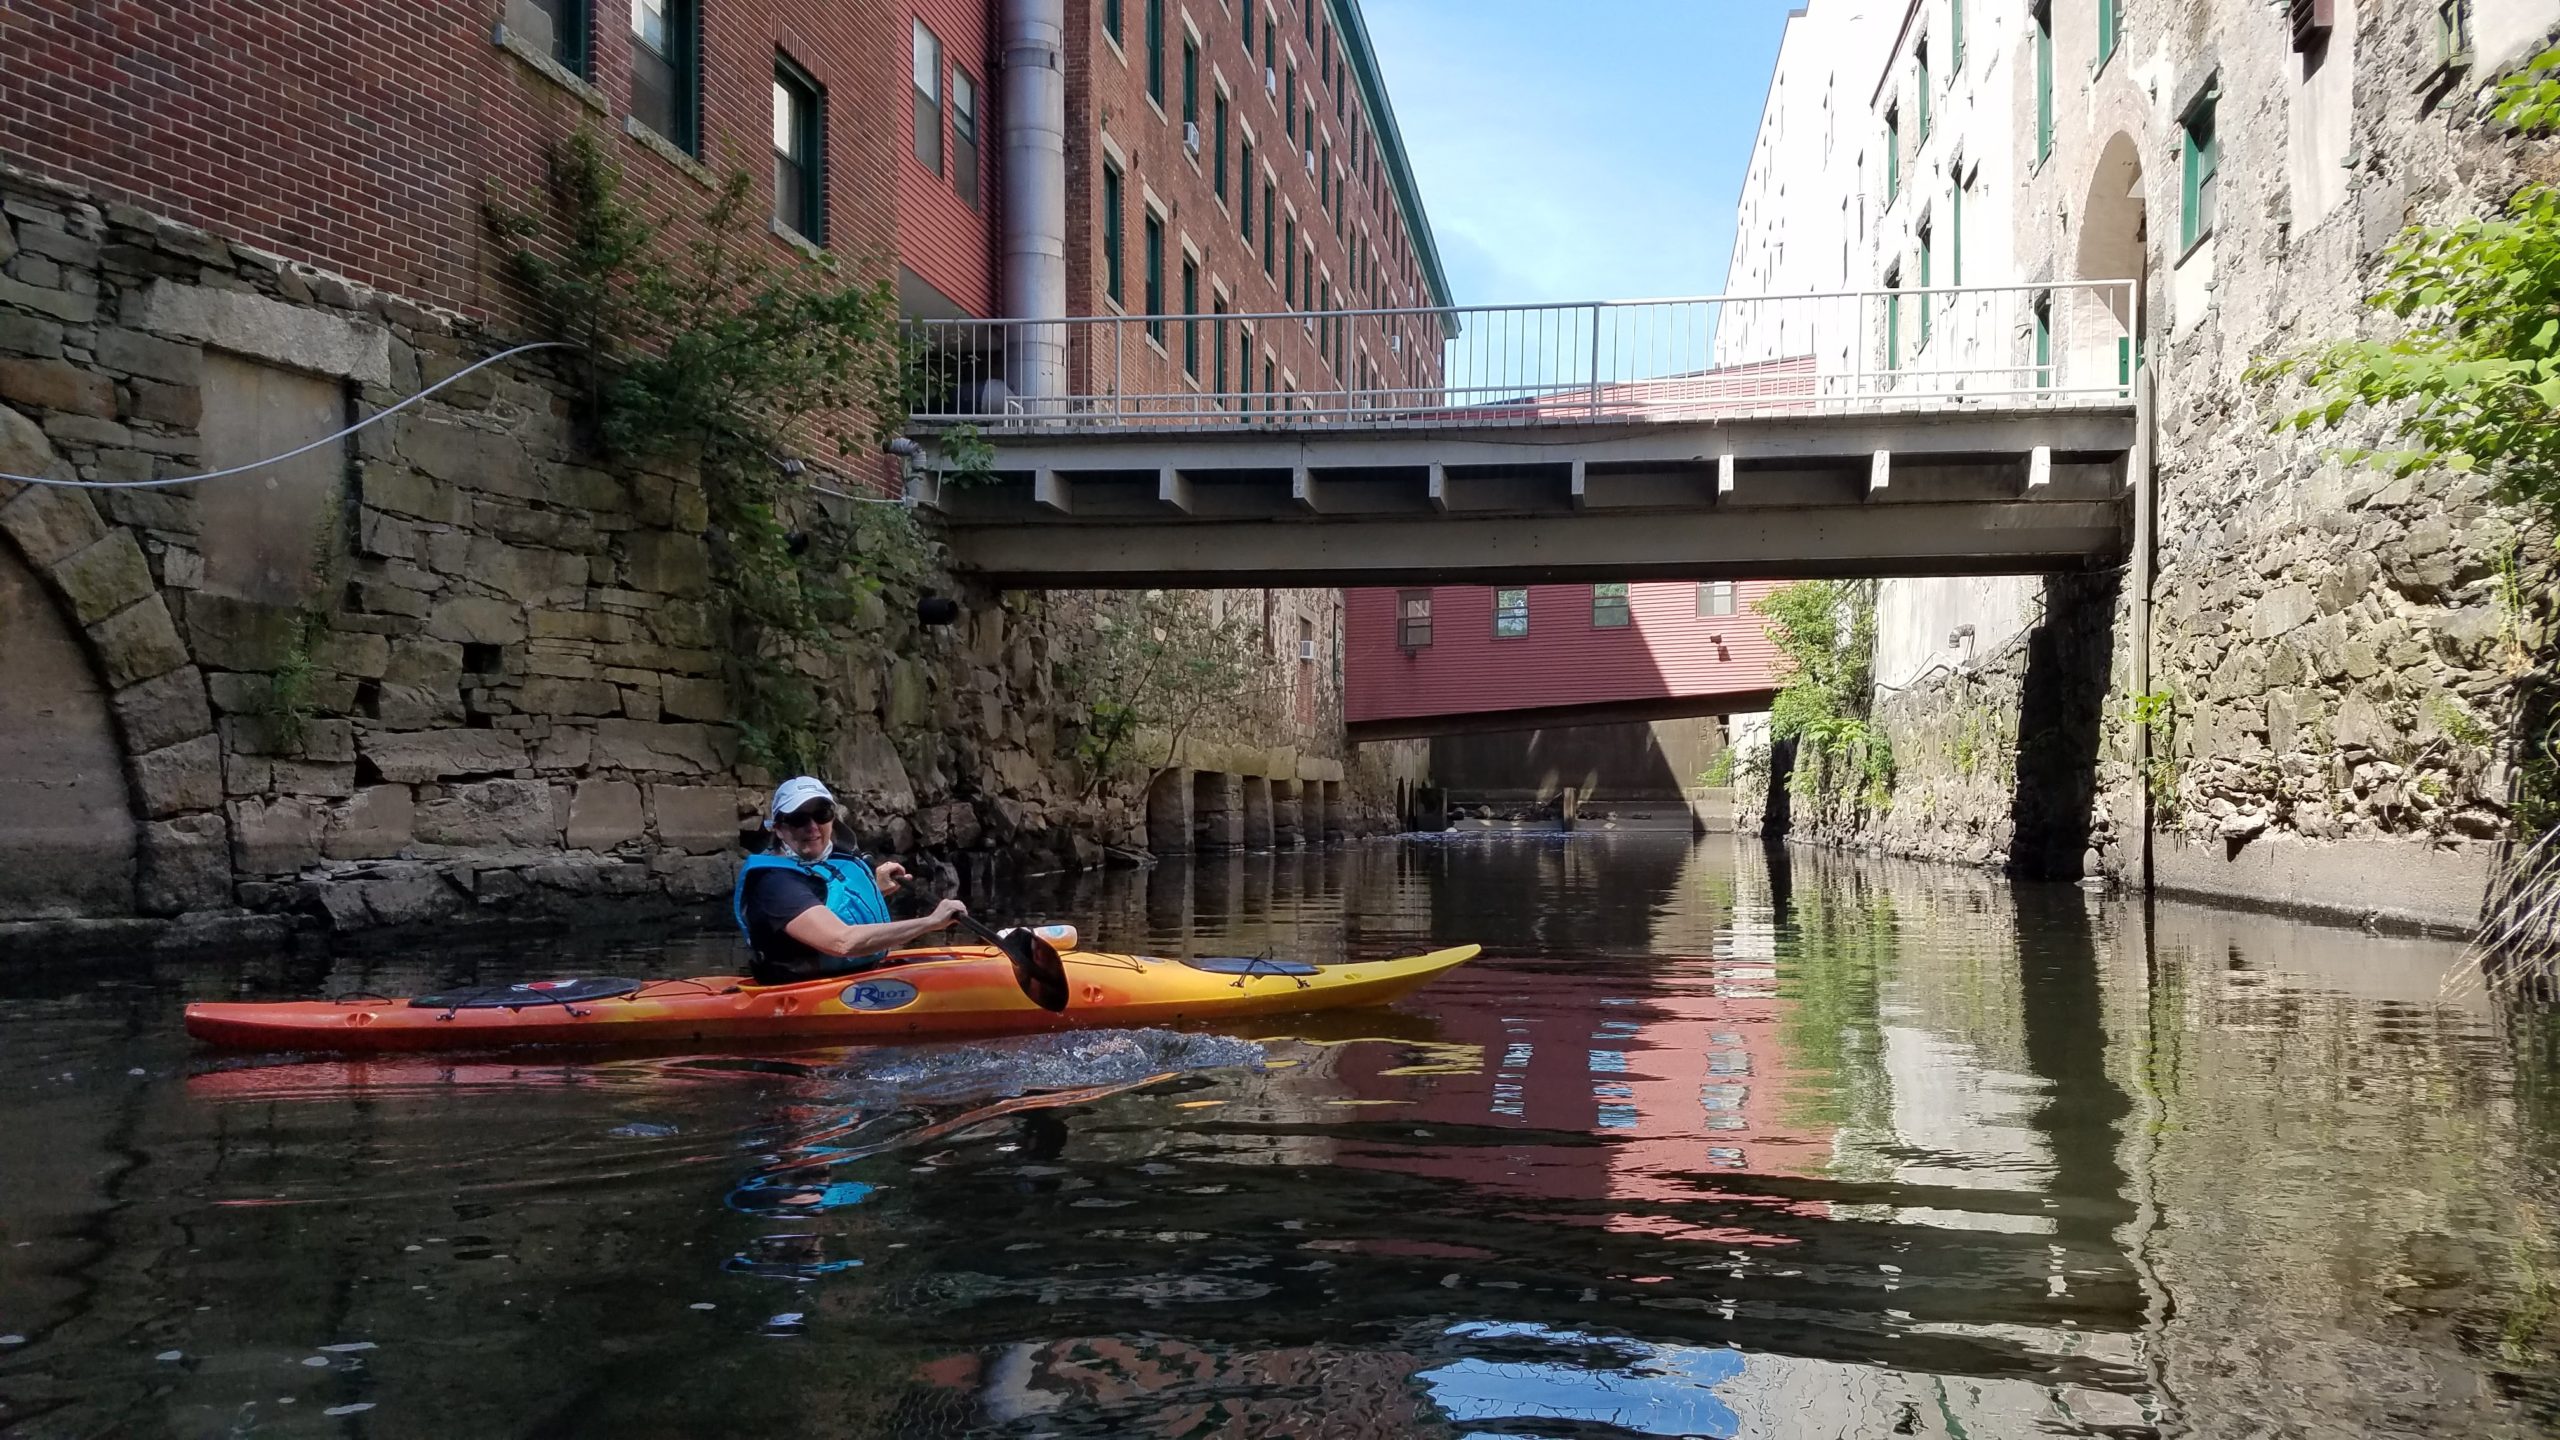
(2005, 491)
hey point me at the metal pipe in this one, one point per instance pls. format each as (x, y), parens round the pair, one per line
(1035, 199)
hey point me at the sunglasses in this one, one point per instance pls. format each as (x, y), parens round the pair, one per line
(816, 812)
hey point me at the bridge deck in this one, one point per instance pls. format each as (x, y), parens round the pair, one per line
(2002, 487)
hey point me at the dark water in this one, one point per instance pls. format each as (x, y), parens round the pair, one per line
(1706, 1145)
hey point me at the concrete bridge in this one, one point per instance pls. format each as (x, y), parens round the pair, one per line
(1901, 432)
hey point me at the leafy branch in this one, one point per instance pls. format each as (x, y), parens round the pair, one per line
(2472, 381)
(707, 342)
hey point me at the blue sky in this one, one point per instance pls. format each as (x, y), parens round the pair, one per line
(1578, 149)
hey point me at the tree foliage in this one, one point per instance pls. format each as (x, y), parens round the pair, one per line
(1167, 664)
(1826, 630)
(709, 341)
(2472, 381)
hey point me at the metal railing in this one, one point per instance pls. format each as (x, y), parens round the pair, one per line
(1708, 357)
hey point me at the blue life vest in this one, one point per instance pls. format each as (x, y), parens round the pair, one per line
(853, 894)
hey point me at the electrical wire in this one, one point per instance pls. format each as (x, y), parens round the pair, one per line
(377, 417)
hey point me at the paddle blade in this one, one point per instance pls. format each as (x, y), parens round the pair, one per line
(1037, 968)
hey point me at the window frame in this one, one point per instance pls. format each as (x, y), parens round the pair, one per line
(573, 44)
(1407, 620)
(1716, 600)
(2110, 33)
(683, 60)
(1115, 200)
(1151, 236)
(965, 154)
(1190, 309)
(808, 128)
(1155, 54)
(2041, 17)
(1218, 138)
(1502, 613)
(1623, 602)
(922, 101)
(2199, 169)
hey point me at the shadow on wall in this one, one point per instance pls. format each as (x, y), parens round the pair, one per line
(2061, 721)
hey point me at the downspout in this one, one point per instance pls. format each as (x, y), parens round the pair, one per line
(2145, 496)
(1035, 199)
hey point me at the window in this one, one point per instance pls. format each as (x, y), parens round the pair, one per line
(799, 203)
(2044, 81)
(1892, 154)
(2107, 27)
(666, 71)
(2044, 340)
(1920, 100)
(1244, 194)
(1190, 327)
(928, 85)
(964, 136)
(1608, 606)
(2201, 162)
(1190, 82)
(1955, 38)
(1893, 319)
(1270, 42)
(1955, 232)
(1289, 108)
(1111, 232)
(1111, 22)
(557, 28)
(1155, 52)
(1218, 140)
(1413, 619)
(1715, 598)
(1270, 382)
(1307, 15)
(1248, 26)
(1269, 210)
(1155, 277)
(1218, 347)
(1510, 614)
(2453, 32)
(1244, 362)
(1289, 263)
(1928, 245)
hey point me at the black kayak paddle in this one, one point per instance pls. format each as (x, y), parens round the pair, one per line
(1037, 967)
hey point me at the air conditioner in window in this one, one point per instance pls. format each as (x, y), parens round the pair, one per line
(1311, 162)
(1270, 81)
(1395, 344)
(1191, 136)
(1306, 650)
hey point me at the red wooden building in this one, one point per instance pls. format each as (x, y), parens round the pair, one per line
(1569, 652)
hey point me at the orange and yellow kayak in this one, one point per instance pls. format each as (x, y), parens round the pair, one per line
(955, 990)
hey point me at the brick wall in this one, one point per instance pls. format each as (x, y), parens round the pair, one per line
(359, 135)
(1111, 116)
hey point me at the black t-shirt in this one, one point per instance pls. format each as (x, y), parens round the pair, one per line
(775, 897)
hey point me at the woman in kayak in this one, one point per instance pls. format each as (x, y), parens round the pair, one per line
(813, 907)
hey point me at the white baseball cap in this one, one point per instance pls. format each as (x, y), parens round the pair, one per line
(793, 793)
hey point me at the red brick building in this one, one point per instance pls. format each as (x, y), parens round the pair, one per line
(1241, 157)
(1456, 650)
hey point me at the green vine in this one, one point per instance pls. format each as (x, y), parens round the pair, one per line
(2156, 714)
(292, 697)
(709, 343)
(1826, 632)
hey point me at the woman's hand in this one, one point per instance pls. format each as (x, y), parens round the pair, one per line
(891, 877)
(946, 912)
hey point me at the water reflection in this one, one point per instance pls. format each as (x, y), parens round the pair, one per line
(1711, 1142)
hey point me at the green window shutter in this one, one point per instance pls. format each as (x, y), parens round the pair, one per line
(1893, 322)
(2106, 30)
(1155, 278)
(1928, 242)
(2044, 83)
(2200, 163)
(1111, 233)
(1955, 235)
(1892, 155)
(1190, 327)
(1923, 62)
(1955, 37)
(1155, 52)
(2044, 341)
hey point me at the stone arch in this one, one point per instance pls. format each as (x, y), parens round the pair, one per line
(2112, 243)
(120, 810)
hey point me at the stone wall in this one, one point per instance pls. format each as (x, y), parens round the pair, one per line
(2342, 654)
(455, 662)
